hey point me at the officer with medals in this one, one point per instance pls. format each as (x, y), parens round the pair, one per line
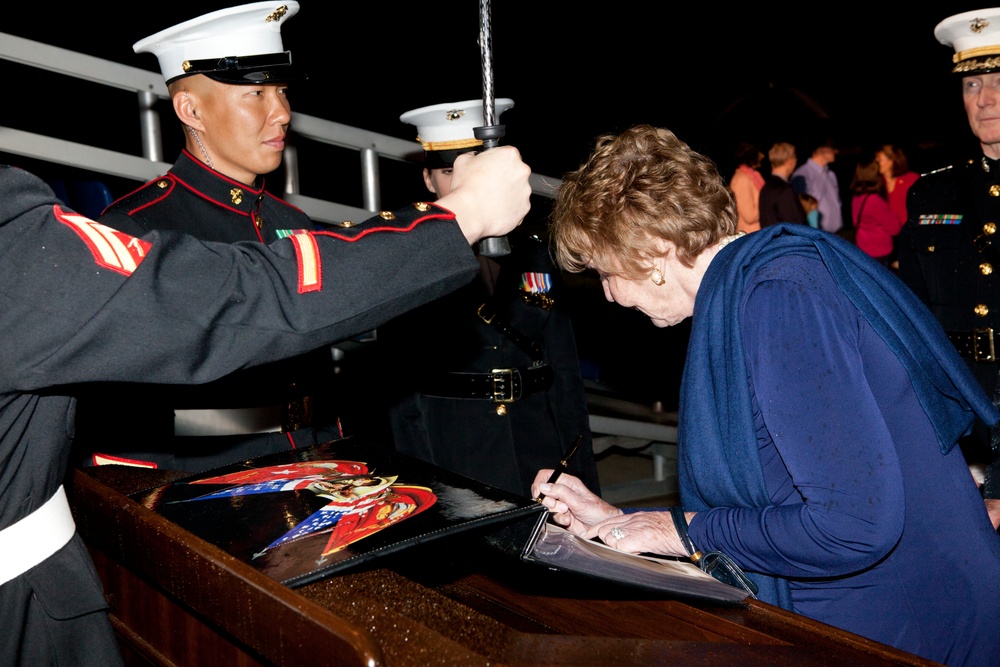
(486, 381)
(949, 248)
(228, 76)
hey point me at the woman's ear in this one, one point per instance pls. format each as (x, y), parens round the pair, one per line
(663, 247)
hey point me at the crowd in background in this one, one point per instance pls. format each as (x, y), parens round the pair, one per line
(862, 198)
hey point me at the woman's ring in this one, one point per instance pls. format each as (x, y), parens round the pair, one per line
(617, 533)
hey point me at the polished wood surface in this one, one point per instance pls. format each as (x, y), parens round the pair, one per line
(177, 600)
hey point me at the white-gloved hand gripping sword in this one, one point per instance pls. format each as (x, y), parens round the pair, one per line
(491, 133)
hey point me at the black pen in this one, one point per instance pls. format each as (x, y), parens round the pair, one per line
(564, 464)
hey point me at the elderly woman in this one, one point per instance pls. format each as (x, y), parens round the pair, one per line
(819, 410)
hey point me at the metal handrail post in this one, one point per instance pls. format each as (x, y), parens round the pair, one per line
(149, 125)
(370, 190)
(291, 159)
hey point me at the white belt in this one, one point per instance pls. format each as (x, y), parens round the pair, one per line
(34, 538)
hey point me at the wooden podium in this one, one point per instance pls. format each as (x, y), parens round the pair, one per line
(177, 600)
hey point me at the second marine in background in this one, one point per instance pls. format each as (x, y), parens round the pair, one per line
(486, 382)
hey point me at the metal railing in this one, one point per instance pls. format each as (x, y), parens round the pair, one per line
(150, 88)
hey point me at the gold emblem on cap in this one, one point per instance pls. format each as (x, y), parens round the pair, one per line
(387, 215)
(978, 25)
(346, 223)
(422, 206)
(277, 14)
(236, 195)
(454, 114)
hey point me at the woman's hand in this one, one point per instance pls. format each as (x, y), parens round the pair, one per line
(571, 503)
(641, 532)
(583, 513)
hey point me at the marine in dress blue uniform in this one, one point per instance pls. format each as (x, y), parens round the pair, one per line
(486, 381)
(949, 248)
(85, 303)
(286, 404)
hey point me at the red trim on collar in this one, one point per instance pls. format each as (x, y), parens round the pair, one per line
(220, 175)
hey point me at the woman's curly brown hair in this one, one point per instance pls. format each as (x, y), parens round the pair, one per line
(640, 186)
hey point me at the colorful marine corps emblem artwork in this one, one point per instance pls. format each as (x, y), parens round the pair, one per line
(359, 503)
(305, 514)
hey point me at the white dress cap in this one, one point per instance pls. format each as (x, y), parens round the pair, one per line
(451, 126)
(975, 36)
(235, 45)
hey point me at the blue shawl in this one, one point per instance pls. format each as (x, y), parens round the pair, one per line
(718, 463)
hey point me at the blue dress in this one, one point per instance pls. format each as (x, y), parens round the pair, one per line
(874, 527)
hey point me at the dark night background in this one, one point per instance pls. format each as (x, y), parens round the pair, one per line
(867, 73)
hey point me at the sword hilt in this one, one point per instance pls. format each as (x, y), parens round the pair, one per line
(492, 246)
(490, 135)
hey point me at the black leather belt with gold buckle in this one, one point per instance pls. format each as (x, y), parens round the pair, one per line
(501, 385)
(977, 344)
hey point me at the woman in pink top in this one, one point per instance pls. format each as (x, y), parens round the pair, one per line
(895, 170)
(745, 186)
(875, 223)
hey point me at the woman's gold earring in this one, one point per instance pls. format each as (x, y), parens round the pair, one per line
(656, 277)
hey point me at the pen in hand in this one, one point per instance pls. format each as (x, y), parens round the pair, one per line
(563, 465)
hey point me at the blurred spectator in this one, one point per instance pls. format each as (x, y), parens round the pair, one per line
(746, 184)
(895, 169)
(778, 201)
(811, 207)
(815, 177)
(875, 223)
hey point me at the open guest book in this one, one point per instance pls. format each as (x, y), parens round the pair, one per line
(555, 547)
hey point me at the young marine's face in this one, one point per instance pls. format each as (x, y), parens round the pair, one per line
(981, 96)
(438, 181)
(245, 128)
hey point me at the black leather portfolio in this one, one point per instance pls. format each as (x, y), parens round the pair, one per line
(302, 515)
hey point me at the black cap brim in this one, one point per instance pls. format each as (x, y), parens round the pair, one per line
(267, 68)
(445, 159)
